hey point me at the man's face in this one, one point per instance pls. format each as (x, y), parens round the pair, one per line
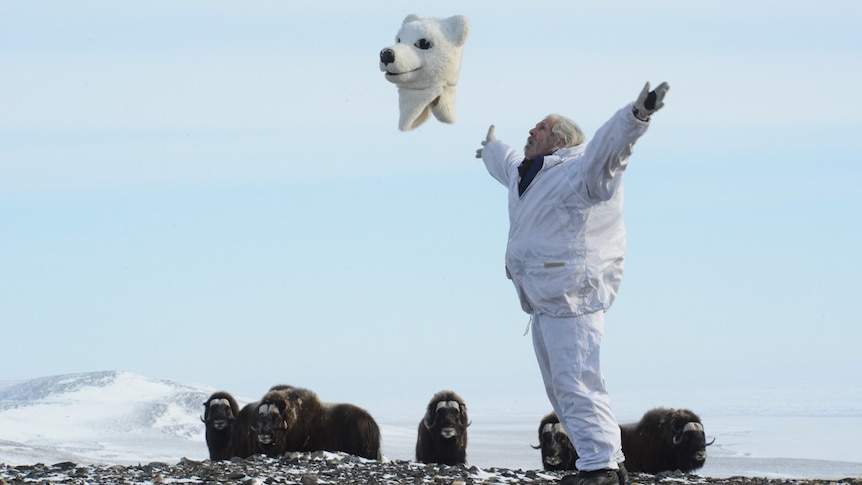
(541, 141)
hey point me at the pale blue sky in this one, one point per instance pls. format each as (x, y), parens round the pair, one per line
(217, 193)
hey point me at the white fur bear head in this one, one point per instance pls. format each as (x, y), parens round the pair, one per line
(427, 52)
(424, 63)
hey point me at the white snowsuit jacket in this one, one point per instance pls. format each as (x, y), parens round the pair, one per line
(567, 239)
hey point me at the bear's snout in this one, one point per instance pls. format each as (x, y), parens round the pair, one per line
(387, 56)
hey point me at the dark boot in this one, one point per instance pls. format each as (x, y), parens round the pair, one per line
(595, 477)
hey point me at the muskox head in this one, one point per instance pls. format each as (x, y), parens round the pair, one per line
(275, 413)
(446, 415)
(683, 430)
(220, 411)
(442, 434)
(557, 451)
(287, 418)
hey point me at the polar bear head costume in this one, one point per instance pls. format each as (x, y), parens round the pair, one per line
(424, 63)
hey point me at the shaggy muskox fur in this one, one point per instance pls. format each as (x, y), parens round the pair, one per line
(220, 414)
(245, 431)
(665, 439)
(351, 429)
(443, 431)
(557, 450)
(295, 419)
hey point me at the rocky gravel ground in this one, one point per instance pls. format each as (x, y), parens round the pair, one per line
(327, 468)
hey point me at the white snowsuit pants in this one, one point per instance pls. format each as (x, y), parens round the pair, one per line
(567, 349)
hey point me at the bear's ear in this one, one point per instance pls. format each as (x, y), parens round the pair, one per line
(412, 17)
(457, 27)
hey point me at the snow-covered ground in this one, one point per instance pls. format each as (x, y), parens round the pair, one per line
(124, 418)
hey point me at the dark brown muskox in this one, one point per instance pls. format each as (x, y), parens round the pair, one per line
(295, 419)
(443, 431)
(665, 440)
(245, 431)
(557, 450)
(220, 413)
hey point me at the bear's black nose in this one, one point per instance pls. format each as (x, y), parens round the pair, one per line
(387, 56)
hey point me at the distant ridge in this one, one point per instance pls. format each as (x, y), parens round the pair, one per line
(43, 387)
(101, 417)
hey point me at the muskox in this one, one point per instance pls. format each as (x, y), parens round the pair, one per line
(245, 431)
(557, 450)
(295, 419)
(443, 431)
(220, 414)
(665, 439)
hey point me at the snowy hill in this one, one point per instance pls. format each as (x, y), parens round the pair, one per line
(100, 417)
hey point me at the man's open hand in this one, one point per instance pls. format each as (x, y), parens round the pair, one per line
(488, 138)
(649, 102)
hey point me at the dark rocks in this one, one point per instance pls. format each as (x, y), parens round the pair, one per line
(326, 468)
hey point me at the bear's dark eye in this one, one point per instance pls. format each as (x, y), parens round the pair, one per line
(423, 44)
(398, 40)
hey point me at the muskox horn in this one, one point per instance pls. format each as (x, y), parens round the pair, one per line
(448, 404)
(693, 426)
(431, 416)
(690, 426)
(711, 442)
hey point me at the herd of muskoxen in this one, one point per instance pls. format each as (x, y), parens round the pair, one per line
(290, 418)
